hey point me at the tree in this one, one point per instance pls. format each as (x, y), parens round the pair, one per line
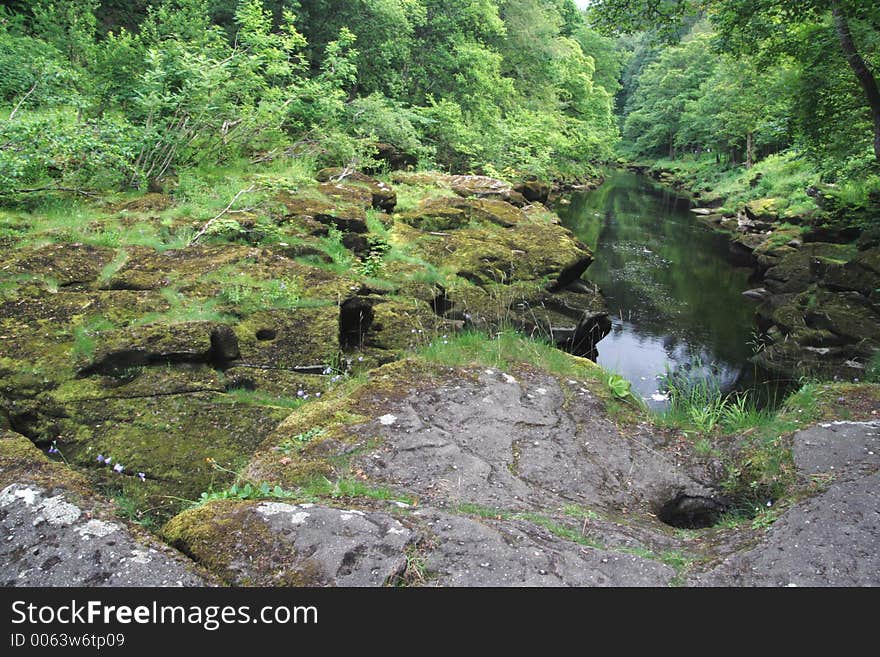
(745, 24)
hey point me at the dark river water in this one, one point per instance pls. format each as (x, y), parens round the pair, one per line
(673, 289)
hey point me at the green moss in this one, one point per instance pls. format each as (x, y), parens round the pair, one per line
(221, 533)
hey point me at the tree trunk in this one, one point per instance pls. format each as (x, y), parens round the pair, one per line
(749, 154)
(860, 68)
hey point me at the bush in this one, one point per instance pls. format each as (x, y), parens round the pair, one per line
(53, 148)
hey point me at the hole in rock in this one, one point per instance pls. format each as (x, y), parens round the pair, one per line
(355, 319)
(691, 511)
(266, 334)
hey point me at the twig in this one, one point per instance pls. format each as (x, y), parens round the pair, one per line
(24, 98)
(225, 210)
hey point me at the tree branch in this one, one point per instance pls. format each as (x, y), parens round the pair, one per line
(224, 211)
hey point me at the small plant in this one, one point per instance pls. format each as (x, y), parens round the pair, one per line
(872, 371)
(300, 441)
(764, 517)
(374, 262)
(84, 343)
(704, 447)
(54, 451)
(248, 295)
(246, 491)
(241, 490)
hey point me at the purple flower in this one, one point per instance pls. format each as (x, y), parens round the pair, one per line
(300, 393)
(54, 448)
(118, 468)
(317, 394)
(101, 459)
(142, 476)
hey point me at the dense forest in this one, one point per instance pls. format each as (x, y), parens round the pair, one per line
(109, 94)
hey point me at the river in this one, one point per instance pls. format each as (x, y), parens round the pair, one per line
(673, 288)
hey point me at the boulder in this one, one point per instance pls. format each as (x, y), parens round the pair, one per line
(57, 533)
(383, 197)
(274, 543)
(534, 191)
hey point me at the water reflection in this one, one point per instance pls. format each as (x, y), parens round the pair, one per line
(672, 286)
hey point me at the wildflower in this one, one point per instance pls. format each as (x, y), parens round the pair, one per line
(317, 394)
(142, 476)
(300, 393)
(328, 370)
(118, 468)
(54, 448)
(360, 358)
(100, 459)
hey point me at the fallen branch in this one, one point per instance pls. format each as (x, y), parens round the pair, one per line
(69, 190)
(224, 211)
(21, 102)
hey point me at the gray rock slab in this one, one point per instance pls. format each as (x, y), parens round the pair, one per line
(45, 540)
(832, 539)
(515, 444)
(837, 447)
(476, 552)
(342, 547)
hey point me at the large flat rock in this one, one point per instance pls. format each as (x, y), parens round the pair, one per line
(50, 541)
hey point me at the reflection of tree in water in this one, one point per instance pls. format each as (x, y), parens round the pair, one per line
(666, 278)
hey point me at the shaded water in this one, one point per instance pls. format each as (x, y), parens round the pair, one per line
(672, 286)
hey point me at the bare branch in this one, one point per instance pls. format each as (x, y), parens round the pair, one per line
(224, 211)
(24, 98)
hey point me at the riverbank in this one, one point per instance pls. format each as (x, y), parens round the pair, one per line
(817, 264)
(314, 383)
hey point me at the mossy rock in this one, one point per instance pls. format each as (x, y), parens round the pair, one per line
(280, 544)
(534, 191)
(149, 202)
(844, 316)
(67, 264)
(383, 197)
(147, 269)
(22, 462)
(798, 270)
(455, 213)
(163, 343)
(342, 212)
(167, 437)
(270, 382)
(297, 338)
(333, 426)
(219, 533)
(765, 209)
(529, 251)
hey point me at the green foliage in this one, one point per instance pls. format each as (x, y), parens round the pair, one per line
(872, 371)
(152, 90)
(246, 491)
(247, 296)
(300, 441)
